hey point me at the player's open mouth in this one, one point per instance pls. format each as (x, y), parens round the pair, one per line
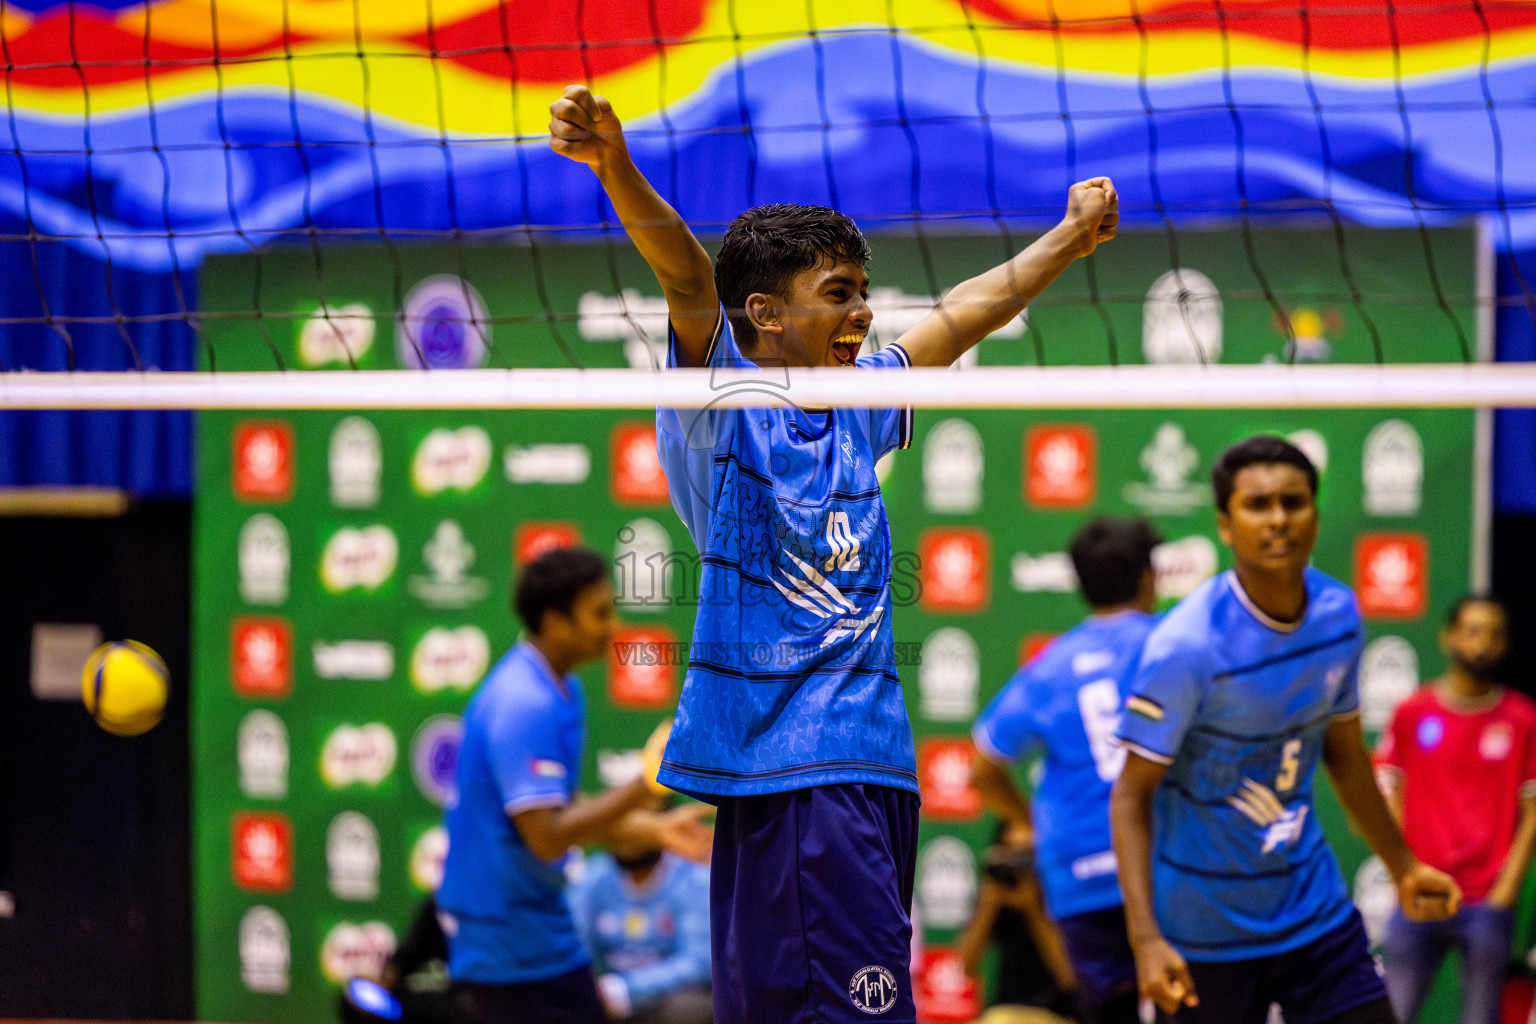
(845, 349)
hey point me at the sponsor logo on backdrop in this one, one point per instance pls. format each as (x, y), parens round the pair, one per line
(263, 462)
(547, 463)
(1060, 465)
(1392, 470)
(357, 754)
(263, 560)
(1181, 319)
(355, 950)
(356, 463)
(1309, 331)
(427, 856)
(340, 336)
(635, 476)
(362, 559)
(354, 659)
(641, 551)
(1050, 573)
(945, 993)
(946, 883)
(435, 757)
(442, 326)
(265, 954)
(618, 767)
(1389, 672)
(956, 569)
(642, 668)
(449, 557)
(1313, 445)
(944, 776)
(638, 321)
(531, 540)
(953, 468)
(261, 747)
(261, 656)
(1182, 565)
(1392, 574)
(450, 658)
(949, 677)
(1168, 460)
(261, 846)
(451, 460)
(352, 857)
(1031, 646)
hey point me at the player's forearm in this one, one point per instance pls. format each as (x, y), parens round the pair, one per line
(1130, 817)
(680, 264)
(1354, 781)
(586, 820)
(1506, 889)
(998, 791)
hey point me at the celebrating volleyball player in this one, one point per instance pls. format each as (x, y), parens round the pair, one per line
(791, 717)
(1233, 900)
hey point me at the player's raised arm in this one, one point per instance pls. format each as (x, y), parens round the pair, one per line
(975, 308)
(584, 128)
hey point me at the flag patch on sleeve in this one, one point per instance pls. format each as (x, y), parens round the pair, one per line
(1145, 708)
(548, 769)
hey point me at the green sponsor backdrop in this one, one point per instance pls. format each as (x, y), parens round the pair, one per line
(352, 569)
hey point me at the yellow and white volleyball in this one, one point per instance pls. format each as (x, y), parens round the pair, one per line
(125, 685)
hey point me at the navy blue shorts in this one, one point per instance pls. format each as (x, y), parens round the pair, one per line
(810, 906)
(1100, 953)
(1313, 984)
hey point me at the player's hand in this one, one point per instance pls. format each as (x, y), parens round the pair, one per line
(650, 758)
(1163, 976)
(584, 128)
(684, 832)
(1093, 212)
(1427, 894)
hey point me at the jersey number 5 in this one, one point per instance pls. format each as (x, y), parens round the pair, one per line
(1290, 759)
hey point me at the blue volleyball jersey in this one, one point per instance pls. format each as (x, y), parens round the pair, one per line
(1237, 705)
(523, 734)
(791, 678)
(1066, 703)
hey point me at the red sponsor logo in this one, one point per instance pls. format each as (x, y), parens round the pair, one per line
(261, 846)
(533, 539)
(945, 993)
(944, 776)
(261, 656)
(1060, 465)
(262, 465)
(1392, 574)
(1033, 645)
(642, 668)
(635, 475)
(957, 569)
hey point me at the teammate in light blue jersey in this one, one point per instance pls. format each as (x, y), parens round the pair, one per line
(1065, 705)
(791, 715)
(1233, 899)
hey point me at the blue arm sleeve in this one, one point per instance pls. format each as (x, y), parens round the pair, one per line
(1164, 696)
(889, 429)
(1007, 729)
(689, 963)
(526, 761)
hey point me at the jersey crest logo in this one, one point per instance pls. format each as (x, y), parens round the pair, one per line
(873, 989)
(820, 596)
(1260, 805)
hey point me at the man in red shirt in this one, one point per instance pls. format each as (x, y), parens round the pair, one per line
(1458, 765)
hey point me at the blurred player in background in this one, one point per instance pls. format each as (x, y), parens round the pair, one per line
(1458, 764)
(792, 716)
(1233, 900)
(1066, 705)
(513, 952)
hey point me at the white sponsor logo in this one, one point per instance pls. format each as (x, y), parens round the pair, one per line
(946, 886)
(619, 767)
(263, 560)
(428, 855)
(456, 459)
(873, 989)
(443, 326)
(356, 462)
(953, 467)
(450, 658)
(639, 321)
(342, 335)
(1260, 805)
(949, 676)
(1049, 573)
(1181, 319)
(359, 558)
(1182, 565)
(1392, 470)
(547, 463)
(1095, 865)
(354, 659)
(354, 753)
(641, 552)
(1168, 460)
(352, 857)
(262, 750)
(449, 556)
(356, 950)
(818, 595)
(1313, 445)
(1086, 663)
(1389, 672)
(264, 951)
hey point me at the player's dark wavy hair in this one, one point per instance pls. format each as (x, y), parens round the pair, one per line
(552, 581)
(1111, 555)
(1453, 615)
(1261, 449)
(767, 246)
